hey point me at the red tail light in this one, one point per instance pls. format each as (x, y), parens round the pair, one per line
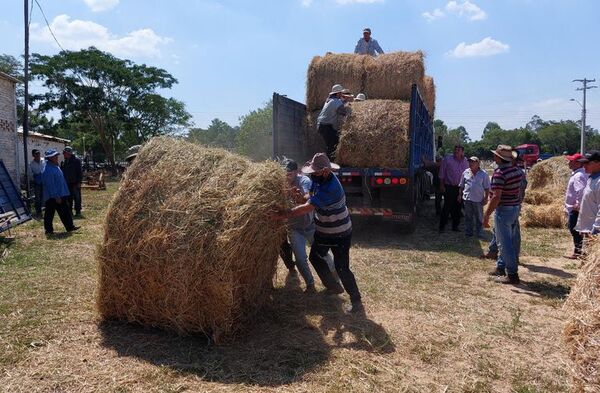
(394, 180)
(379, 180)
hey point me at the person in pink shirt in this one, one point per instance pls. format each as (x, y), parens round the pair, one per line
(451, 170)
(573, 196)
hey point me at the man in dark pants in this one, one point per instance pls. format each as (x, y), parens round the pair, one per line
(36, 168)
(55, 194)
(574, 194)
(73, 173)
(451, 170)
(333, 228)
(329, 119)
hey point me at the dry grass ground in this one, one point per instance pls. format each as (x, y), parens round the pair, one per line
(435, 323)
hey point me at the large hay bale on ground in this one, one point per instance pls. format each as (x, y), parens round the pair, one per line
(188, 244)
(376, 133)
(582, 330)
(544, 197)
(388, 76)
(324, 72)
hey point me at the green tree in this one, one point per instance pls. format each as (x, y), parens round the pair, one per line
(255, 133)
(218, 134)
(557, 137)
(115, 98)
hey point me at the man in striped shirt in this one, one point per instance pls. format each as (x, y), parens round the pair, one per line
(333, 228)
(506, 202)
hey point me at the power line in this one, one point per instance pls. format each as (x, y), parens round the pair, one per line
(583, 111)
(48, 24)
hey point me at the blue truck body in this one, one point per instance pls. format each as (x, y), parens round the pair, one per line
(390, 193)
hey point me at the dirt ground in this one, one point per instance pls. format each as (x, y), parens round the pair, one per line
(434, 322)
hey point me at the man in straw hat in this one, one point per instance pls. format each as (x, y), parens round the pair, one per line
(56, 193)
(367, 45)
(329, 120)
(573, 196)
(506, 203)
(451, 170)
(333, 228)
(588, 222)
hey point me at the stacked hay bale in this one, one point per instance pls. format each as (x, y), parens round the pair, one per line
(188, 242)
(543, 205)
(376, 133)
(582, 330)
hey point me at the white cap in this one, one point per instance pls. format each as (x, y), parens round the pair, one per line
(337, 89)
(360, 97)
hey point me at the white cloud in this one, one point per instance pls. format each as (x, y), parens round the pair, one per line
(101, 5)
(471, 10)
(76, 34)
(306, 3)
(485, 47)
(466, 8)
(433, 15)
(344, 2)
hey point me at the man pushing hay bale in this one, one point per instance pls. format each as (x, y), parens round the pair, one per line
(376, 133)
(188, 242)
(582, 330)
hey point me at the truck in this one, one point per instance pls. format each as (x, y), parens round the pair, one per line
(391, 194)
(530, 153)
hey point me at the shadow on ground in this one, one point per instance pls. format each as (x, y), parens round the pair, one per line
(372, 232)
(545, 289)
(280, 346)
(547, 270)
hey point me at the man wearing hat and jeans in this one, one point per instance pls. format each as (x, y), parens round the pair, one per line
(575, 187)
(506, 202)
(73, 172)
(368, 45)
(329, 120)
(588, 221)
(474, 191)
(56, 193)
(333, 228)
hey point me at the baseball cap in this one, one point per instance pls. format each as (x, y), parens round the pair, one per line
(68, 149)
(575, 157)
(592, 155)
(290, 165)
(474, 159)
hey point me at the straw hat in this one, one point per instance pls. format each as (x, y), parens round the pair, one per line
(505, 152)
(360, 97)
(337, 89)
(319, 161)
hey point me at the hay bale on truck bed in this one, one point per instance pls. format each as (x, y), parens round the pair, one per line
(389, 76)
(188, 245)
(375, 134)
(545, 194)
(582, 330)
(428, 94)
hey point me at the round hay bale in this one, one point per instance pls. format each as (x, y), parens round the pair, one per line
(188, 244)
(544, 216)
(428, 94)
(581, 334)
(552, 175)
(390, 76)
(538, 197)
(324, 72)
(376, 133)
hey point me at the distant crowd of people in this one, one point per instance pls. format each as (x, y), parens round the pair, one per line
(57, 188)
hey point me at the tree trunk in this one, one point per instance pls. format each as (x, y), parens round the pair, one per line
(100, 126)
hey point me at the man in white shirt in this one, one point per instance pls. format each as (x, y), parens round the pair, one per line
(574, 194)
(588, 221)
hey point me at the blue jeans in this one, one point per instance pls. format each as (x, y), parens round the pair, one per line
(506, 224)
(39, 196)
(493, 246)
(473, 218)
(298, 240)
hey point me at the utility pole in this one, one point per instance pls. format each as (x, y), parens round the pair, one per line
(585, 87)
(26, 98)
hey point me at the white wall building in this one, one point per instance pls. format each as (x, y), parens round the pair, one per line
(41, 142)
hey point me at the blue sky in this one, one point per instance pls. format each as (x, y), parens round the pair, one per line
(494, 60)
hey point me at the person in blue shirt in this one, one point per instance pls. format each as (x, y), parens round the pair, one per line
(368, 45)
(330, 118)
(56, 193)
(333, 228)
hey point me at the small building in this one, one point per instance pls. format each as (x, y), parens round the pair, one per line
(42, 142)
(8, 125)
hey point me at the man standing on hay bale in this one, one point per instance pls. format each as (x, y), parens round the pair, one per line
(574, 194)
(329, 120)
(506, 202)
(333, 228)
(588, 221)
(451, 170)
(368, 45)
(474, 191)
(56, 193)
